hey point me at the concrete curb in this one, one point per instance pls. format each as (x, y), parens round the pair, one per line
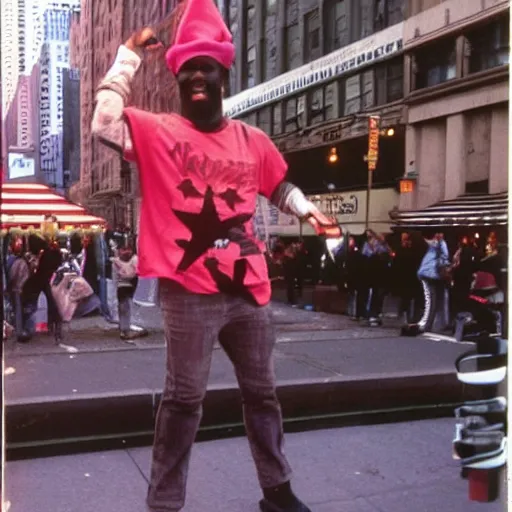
(60, 420)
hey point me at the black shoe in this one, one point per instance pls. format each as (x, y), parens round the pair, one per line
(297, 506)
(24, 338)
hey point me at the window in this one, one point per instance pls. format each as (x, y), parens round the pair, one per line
(250, 34)
(352, 95)
(323, 104)
(277, 119)
(265, 120)
(312, 49)
(234, 26)
(269, 42)
(292, 47)
(435, 64)
(292, 42)
(251, 119)
(489, 45)
(293, 108)
(251, 22)
(251, 67)
(387, 13)
(336, 32)
(389, 81)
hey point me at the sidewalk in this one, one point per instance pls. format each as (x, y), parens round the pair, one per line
(52, 397)
(400, 467)
(94, 334)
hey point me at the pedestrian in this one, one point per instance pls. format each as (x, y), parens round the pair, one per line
(377, 265)
(405, 267)
(355, 279)
(200, 177)
(125, 268)
(18, 272)
(465, 261)
(290, 268)
(435, 275)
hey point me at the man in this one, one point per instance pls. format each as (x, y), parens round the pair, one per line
(200, 176)
(405, 266)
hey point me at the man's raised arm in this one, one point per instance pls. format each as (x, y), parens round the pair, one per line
(114, 90)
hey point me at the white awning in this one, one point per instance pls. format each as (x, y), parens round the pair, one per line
(466, 210)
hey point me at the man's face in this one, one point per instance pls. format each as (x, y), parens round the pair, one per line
(200, 81)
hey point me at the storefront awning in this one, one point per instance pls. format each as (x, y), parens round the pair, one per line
(467, 210)
(26, 204)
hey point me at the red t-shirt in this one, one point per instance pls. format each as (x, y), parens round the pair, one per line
(199, 194)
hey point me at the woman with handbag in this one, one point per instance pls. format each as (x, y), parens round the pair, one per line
(435, 276)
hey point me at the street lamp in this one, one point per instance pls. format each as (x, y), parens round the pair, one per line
(333, 156)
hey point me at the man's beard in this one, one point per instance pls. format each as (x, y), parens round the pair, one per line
(205, 114)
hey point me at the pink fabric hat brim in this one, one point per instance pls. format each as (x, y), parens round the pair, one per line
(222, 52)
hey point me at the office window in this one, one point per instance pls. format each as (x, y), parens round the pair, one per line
(367, 89)
(293, 110)
(251, 119)
(435, 64)
(251, 22)
(336, 31)
(489, 45)
(323, 104)
(292, 41)
(389, 78)
(269, 42)
(387, 13)
(277, 119)
(352, 95)
(265, 120)
(249, 80)
(312, 48)
(251, 67)
(234, 26)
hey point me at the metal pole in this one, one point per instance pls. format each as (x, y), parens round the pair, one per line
(368, 194)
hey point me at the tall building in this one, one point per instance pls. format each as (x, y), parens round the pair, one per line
(34, 39)
(71, 103)
(108, 184)
(311, 75)
(457, 97)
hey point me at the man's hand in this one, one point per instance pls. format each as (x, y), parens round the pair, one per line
(141, 40)
(323, 225)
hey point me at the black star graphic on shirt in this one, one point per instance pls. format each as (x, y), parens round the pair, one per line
(206, 227)
(231, 197)
(188, 189)
(227, 285)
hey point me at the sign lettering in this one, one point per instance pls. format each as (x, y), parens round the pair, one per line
(376, 47)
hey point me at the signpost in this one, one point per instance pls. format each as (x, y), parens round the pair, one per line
(372, 158)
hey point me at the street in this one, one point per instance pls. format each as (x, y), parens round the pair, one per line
(400, 467)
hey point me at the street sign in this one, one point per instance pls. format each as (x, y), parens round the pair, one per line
(373, 142)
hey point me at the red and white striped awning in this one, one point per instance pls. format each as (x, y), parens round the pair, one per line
(26, 204)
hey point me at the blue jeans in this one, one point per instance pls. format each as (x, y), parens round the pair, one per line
(192, 324)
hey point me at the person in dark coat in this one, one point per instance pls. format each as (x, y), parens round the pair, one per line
(50, 259)
(406, 262)
(377, 263)
(465, 263)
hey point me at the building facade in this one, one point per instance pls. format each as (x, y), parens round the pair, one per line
(456, 92)
(311, 74)
(35, 46)
(108, 184)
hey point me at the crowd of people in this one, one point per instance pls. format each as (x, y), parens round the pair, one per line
(428, 279)
(72, 272)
